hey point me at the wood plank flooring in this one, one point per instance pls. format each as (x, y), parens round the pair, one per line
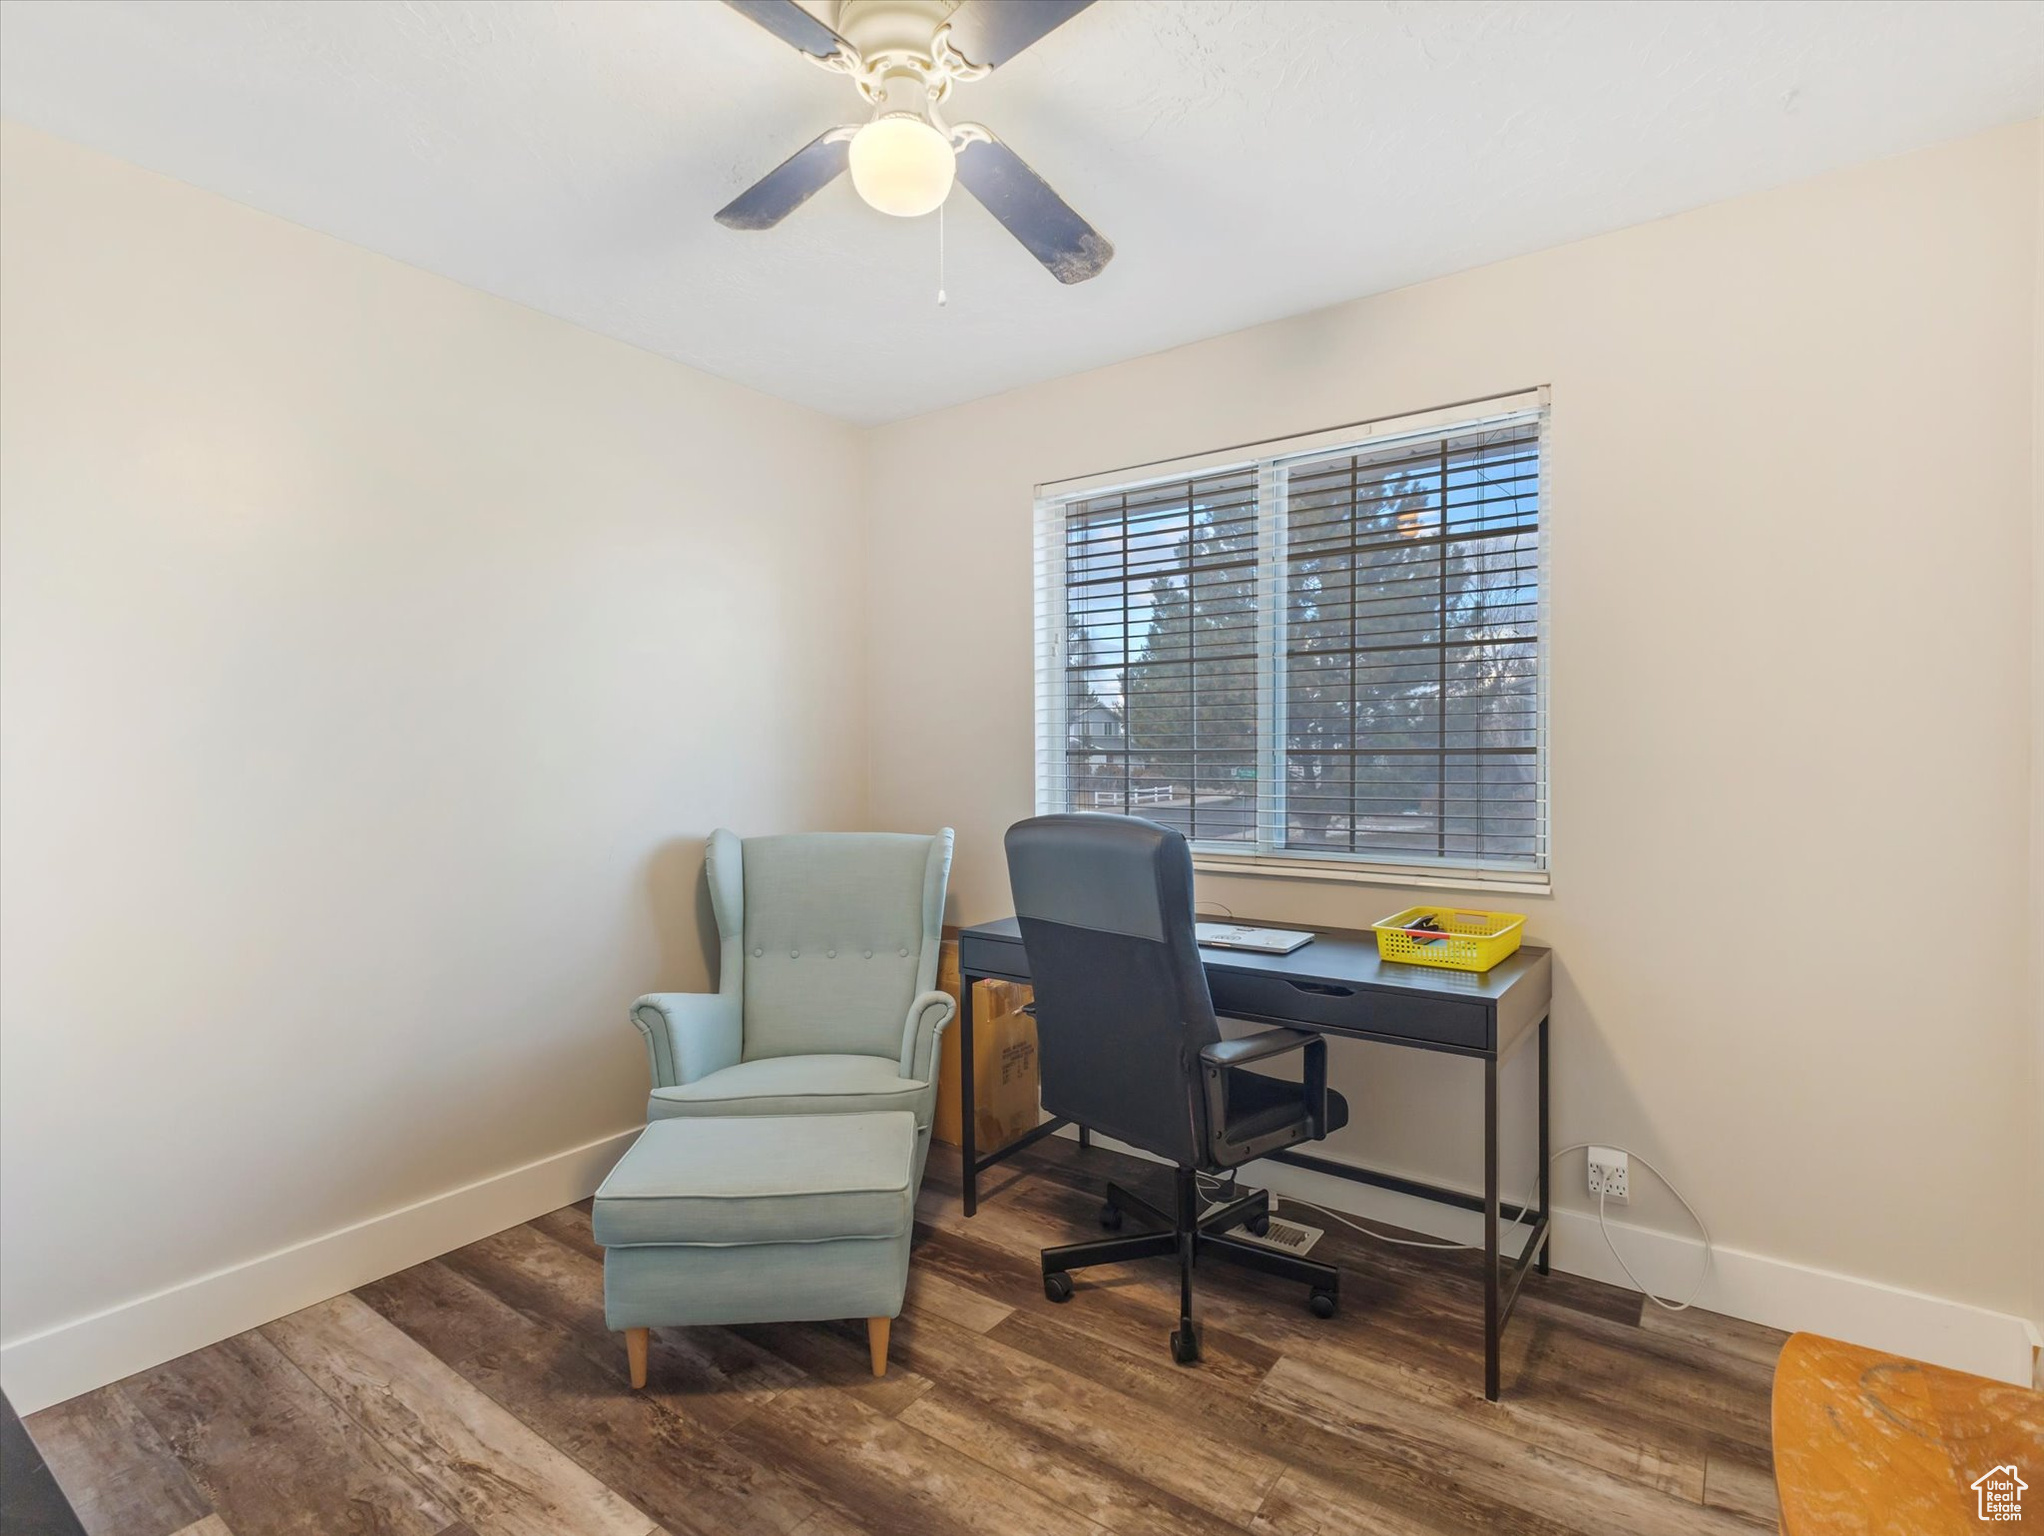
(481, 1394)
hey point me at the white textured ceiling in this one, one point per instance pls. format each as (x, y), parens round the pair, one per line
(1249, 160)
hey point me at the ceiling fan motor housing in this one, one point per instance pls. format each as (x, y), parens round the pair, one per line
(878, 27)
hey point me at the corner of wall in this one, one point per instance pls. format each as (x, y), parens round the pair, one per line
(2037, 747)
(866, 441)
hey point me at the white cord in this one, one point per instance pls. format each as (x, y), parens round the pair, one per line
(1696, 1290)
(941, 299)
(1382, 1237)
(1580, 1146)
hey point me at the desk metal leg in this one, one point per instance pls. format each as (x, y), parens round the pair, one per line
(1085, 1138)
(1490, 1227)
(1544, 1231)
(966, 1096)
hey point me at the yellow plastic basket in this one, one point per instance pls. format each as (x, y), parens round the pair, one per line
(1468, 941)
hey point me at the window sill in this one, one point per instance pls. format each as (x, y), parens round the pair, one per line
(1499, 882)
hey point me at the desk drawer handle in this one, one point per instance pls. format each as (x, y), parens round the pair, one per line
(1321, 988)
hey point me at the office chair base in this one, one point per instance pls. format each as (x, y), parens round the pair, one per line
(1121, 1202)
(1187, 1239)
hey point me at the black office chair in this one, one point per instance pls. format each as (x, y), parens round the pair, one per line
(1128, 1045)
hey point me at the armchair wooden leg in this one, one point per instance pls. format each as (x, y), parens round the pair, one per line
(876, 1341)
(636, 1343)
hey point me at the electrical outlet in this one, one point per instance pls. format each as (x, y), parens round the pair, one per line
(1610, 1172)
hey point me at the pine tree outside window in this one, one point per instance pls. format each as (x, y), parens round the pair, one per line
(1323, 655)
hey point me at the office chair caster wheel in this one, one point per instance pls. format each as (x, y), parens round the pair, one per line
(1321, 1303)
(1110, 1218)
(1058, 1287)
(1258, 1226)
(1185, 1345)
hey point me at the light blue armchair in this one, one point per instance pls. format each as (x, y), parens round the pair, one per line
(826, 1000)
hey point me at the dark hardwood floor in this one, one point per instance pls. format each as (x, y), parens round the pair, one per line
(481, 1393)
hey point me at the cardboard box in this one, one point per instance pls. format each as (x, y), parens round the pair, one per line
(1004, 1074)
(945, 1127)
(1004, 1071)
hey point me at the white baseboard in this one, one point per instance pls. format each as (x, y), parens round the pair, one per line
(73, 1357)
(1775, 1292)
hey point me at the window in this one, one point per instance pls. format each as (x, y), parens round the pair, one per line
(1323, 654)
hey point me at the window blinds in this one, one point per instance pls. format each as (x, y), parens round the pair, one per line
(1160, 654)
(1327, 653)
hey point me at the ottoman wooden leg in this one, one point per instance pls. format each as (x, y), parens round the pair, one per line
(636, 1342)
(876, 1341)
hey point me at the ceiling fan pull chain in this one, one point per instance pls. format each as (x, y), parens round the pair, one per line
(941, 300)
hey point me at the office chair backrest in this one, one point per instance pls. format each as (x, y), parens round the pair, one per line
(1122, 1010)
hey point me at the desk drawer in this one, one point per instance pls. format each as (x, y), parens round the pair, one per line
(1433, 1020)
(979, 955)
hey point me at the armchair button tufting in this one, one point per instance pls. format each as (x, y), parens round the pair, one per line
(904, 952)
(794, 954)
(758, 950)
(830, 954)
(869, 954)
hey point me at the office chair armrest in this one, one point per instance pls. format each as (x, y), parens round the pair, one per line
(1267, 1042)
(1217, 1058)
(689, 1035)
(920, 1042)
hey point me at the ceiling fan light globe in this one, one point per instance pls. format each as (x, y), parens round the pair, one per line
(903, 166)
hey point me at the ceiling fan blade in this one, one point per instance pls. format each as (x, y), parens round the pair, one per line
(793, 26)
(791, 183)
(1069, 248)
(991, 32)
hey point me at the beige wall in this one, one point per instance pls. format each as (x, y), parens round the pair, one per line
(1791, 513)
(376, 655)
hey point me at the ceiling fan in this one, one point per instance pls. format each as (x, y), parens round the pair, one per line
(904, 56)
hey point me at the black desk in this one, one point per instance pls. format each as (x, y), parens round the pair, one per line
(1337, 986)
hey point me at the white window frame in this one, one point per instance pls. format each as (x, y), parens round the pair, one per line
(1271, 459)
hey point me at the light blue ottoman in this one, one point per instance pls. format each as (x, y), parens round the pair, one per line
(759, 1219)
